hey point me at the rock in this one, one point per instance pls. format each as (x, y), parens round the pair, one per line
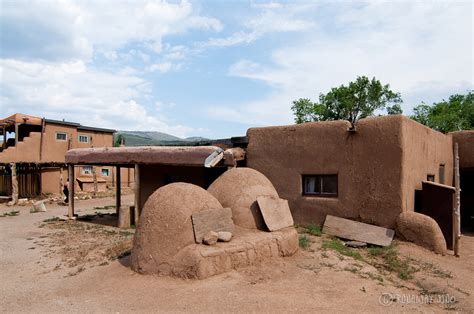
(22, 201)
(422, 230)
(210, 238)
(38, 207)
(224, 236)
(356, 244)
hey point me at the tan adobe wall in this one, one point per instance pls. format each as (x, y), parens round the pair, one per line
(424, 150)
(54, 150)
(50, 180)
(465, 140)
(153, 177)
(367, 163)
(127, 175)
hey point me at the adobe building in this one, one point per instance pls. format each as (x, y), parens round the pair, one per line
(390, 171)
(37, 147)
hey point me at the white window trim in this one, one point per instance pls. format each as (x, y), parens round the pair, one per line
(57, 139)
(83, 170)
(108, 172)
(85, 136)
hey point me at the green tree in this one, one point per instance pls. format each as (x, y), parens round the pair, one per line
(119, 139)
(357, 100)
(446, 116)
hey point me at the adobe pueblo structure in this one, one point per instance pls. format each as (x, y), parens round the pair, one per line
(391, 172)
(165, 243)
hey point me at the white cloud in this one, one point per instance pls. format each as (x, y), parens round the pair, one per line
(76, 92)
(395, 42)
(62, 30)
(164, 67)
(272, 18)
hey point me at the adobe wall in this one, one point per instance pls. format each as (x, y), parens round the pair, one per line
(50, 180)
(424, 150)
(465, 140)
(153, 177)
(367, 163)
(54, 150)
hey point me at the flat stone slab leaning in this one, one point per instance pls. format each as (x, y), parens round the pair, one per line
(275, 211)
(358, 231)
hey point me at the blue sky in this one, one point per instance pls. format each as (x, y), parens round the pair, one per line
(216, 68)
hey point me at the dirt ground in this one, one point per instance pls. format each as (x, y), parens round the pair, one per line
(82, 266)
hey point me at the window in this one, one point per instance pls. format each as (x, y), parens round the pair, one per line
(83, 139)
(61, 136)
(430, 177)
(87, 170)
(320, 185)
(441, 174)
(105, 172)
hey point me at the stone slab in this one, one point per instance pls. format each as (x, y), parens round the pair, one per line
(358, 231)
(212, 220)
(276, 212)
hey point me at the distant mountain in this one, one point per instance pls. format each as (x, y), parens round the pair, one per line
(151, 138)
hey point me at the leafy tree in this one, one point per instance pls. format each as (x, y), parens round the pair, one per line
(119, 139)
(446, 116)
(355, 101)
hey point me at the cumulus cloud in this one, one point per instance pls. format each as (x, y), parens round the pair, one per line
(394, 42)
(62, 30)
(272, 18)
(73, 91)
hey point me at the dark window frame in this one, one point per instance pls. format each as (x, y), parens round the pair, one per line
(442, 172)
(61, 134)
(320, 178)
(430, 178)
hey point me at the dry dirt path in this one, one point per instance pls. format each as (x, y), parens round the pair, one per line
(312, 280)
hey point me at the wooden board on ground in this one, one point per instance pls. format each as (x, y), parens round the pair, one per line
(358, 231)
(212, 220)
(275, 211)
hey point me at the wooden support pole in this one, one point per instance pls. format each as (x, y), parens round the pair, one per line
(4, 137)
(16, 134)
(14, 185)
(457, 202)
(118, 192)
(137, 193)
(71, 191)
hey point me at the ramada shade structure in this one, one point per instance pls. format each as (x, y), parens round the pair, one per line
(194, 156)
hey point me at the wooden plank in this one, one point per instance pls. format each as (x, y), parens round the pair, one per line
(137, 195)
(457, 203)
(358, 231)
(118, 191)
(71, 191)
(276, 212)
(212, 220)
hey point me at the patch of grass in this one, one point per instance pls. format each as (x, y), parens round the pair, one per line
(351, 269)
(314, 229)
(11, 213)
(104, 207)
(338, 246)
(436, 271)
(392, 262)
(304, 242)
(53, 219)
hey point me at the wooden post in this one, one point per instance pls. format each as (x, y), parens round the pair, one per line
(94, 178)
(41, 139)
(4, 137)
(14, 184)
(137, 193)
(457, 205)
(71, 191)
(118, 191)
(16, 134)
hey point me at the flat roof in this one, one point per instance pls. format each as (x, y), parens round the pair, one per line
(152, 155)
